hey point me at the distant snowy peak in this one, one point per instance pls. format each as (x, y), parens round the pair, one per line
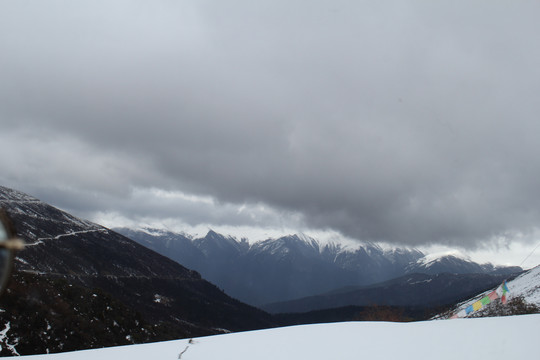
(217, 243)
(402, 255)
(157, 232)
(431, 259)
(304, 237)
(287, 246)
(457, 263)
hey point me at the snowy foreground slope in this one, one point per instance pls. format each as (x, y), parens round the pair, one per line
(513, 337)
(526, 285)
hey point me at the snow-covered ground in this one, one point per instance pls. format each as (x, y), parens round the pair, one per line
(513, 337)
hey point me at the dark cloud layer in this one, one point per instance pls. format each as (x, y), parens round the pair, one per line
(404, 122)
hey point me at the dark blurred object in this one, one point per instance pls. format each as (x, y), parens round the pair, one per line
(9, 244)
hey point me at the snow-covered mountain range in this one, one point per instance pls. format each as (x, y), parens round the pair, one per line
(297, 266)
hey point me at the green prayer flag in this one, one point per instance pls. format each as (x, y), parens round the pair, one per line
(485, 300)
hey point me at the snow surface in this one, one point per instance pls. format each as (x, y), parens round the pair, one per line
(512, 337)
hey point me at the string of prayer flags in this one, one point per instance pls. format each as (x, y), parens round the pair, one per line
(500, 292)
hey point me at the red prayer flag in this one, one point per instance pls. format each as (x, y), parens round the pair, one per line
(493, 295)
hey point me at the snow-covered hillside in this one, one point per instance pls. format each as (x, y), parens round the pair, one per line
(513, 337)
(526, 285)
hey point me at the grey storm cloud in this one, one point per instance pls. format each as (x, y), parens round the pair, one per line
(400, 121)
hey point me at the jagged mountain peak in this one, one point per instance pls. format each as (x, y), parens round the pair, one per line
(218, 238)
(298, 240)
(158, 232)
(215, 243)
(291, 246)
(212, 234)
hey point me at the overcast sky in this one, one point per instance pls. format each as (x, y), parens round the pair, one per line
(409, 122)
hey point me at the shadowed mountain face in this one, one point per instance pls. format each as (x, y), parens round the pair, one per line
(296, 266)
(416, 290)
(77, 253)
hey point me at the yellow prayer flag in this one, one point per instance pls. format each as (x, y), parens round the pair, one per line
(477, 305)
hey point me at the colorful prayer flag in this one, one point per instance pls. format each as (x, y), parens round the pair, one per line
(501, 292)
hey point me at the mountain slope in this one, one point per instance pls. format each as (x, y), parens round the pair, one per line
(87, 256)
(420, 290)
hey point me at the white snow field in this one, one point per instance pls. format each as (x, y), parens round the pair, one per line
(512, 337)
